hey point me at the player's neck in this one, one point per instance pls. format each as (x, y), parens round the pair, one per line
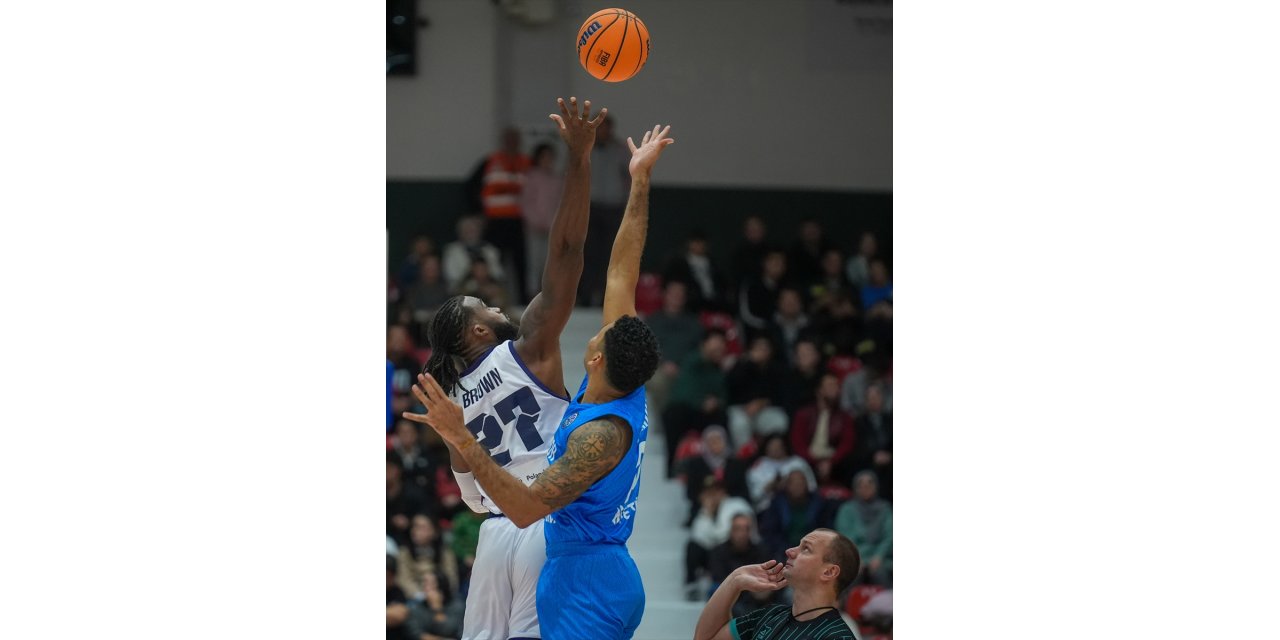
(807, 600)
(599, 392)
(474, 352)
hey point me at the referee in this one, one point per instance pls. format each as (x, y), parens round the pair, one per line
(818, 570)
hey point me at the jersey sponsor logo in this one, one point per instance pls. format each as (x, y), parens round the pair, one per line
(570, 419)
(491, 380)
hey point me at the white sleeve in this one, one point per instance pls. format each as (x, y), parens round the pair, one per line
(470, 491)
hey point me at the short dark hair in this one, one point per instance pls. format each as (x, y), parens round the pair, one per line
(843, 553)
(631, 354)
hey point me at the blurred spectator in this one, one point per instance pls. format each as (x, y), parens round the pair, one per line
(699, 396)
(429, 292)
(858, 267)
(831, 283)
(678, 333)
(867, 520)
(793, 512)
(503, 181)
(437, 615)
(803, 376)
(767, 472)
(706, 284)
(421, 247)
(742, 548)
(716, 462)
(405, 367)
(424, 554)
(758, 296)
(874, 449)
(403, 501)
(469, 247)
(397, 604)
(755, 394)
(804, 259)
(836, 325)
(710, 529)
(465, 529)
(853, 389)
(419, 468)
(392, 548)
(391, 393)
(610, 186)
(878, 286)
(749, 252)
(824, 435)
(480, 283)
(538, 204)
(789, 321)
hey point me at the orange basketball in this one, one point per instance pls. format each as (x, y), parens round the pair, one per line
(613, 45)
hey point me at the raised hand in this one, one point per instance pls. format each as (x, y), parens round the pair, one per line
(651, 146)
(760, 577)
(443, 414)
(577, 127)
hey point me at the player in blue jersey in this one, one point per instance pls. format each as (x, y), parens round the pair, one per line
(589, 586)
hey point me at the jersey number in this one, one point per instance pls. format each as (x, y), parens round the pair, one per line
(526, 423)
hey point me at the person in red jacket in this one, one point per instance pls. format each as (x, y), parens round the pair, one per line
(823, 434)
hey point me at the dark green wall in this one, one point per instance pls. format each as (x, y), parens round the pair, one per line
(432, 208)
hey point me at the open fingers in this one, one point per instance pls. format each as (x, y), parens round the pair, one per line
(645, 140)
(631, 145)
(433, 388)
(420, 395)
(599, 117)
(664, 132)
(558, 120)
(415, 417)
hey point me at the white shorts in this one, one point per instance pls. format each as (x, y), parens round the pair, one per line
(501, 602)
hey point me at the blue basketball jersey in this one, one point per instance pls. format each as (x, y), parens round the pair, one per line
(605, 512)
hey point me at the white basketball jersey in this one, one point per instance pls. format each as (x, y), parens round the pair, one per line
(510, 412)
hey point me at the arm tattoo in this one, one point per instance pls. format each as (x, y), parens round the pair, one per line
(593, 450)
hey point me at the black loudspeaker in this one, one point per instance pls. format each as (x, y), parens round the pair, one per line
(402, 37)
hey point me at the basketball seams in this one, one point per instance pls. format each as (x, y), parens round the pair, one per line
(643, 37)
(621, 43)
(597, 36)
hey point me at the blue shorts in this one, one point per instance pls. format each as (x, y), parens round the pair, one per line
(589, 591)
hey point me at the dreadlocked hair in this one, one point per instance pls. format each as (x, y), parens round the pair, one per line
(445, 334)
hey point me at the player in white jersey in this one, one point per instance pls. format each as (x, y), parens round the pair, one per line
(510, 382)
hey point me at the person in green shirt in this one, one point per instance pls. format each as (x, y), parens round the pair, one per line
(818, 570)
(699, 395)
(867, 519)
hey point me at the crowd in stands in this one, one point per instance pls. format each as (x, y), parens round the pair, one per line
(775, 396)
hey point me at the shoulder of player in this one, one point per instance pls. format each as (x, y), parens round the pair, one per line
(602, 439)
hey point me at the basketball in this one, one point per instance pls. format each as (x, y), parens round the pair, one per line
(613, 45)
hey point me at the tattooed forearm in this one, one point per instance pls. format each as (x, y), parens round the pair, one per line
(593, 450)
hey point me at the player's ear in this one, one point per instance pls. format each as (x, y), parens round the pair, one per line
(831, 572)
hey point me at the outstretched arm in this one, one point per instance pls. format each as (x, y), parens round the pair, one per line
(548, 312)
(593, 450)
(628, 245)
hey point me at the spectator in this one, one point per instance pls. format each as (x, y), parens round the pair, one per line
(403, 501)
(425, 554)
(824, 435)
(705, 282)
(858, 267)
(405, 367)
(465, 528)
(836, 325)
(710, 529)
(831, 284)
(470, 246)
(743, 547)
(397, 604)
(419, 469)
(438, 614)
(804, 259)
(755, 393)
(419, 250)
(803, 376)
(768, 471)
(867, 519)
(699, 397)
(716, 462)
(796, 511)
(538, 203)
(610, 186)
(480, 283)
(875, 441)
(878, 286)
(429, 292)
(789, 321)
(500, 198)
(678, 333)
(758, 296)
(750, 251)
